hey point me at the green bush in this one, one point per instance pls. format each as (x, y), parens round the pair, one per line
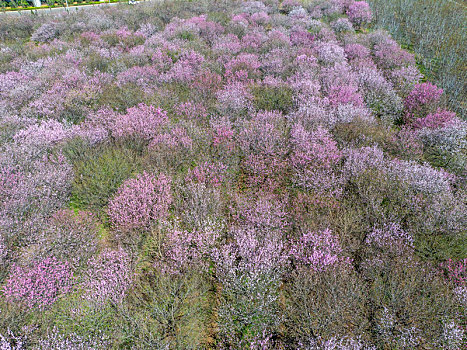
(343, 312)
(165, 312)
(415, 298)
(99, 174)
(272, 98)
(121, 98)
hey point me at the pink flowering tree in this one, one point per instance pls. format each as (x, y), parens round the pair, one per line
(249, 269)
(40, 284)
(314, 158)
(317, 250)
(423, 99)
(184, 250)
(342, 95)
(107, 277)
(359, 13)
(435, 120)
(3, 251)
(211, 174)
(139, 202)
(456, 271)
(140, 122)
(264, 146)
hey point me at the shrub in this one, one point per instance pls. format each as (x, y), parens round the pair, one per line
(208, 174)
(176, 138)
(3, 250)
(329, 53)
(168, 311)
(58, 341)
(345, 95)
(46, 32)
(445, 146)
(317, 250)
(184, 250)
(456, 271)
(249, 269)
(40, 183)
(392, 56)
(263, 212)
(399, 320)
(243, 67)
(435, 120)
(379, 94)
(198, 203)
(271, 98)
(263, 144)
(99, 175)
(139, 202)
(342, 25)
(67, 236)
(234, 99)
(47, 134)
(343, 312)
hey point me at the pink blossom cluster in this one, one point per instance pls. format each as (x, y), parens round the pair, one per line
(55, 340)
(435, 120)
(184, 249)
(251, 253)
(456, 271)
(359, 12)
(3, 249)
(345, 95)
(317, 250)
(68, 236)
(391, 56)
(139, 202)
(41, 284)
(243, 67)
(234, 98)
(207, 173)
(222, 133)
(265, 212)
(391, 237)
(142, 76)
(175, 138)
(141, 121)
(423, 97)
(314, 158)
(108, 277)
(191, 110)
(46, 134)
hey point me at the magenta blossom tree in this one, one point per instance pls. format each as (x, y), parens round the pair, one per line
(40, 284)
(140, 201)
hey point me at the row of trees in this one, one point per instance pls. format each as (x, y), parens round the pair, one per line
(434, 30)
